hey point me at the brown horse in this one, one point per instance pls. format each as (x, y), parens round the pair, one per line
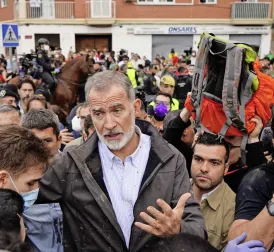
(72, 77)
(15, 80)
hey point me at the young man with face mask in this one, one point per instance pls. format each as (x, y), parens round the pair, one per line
(78, 124)
(44, 61)
(160, 110)
(23, 162)
(44, 220)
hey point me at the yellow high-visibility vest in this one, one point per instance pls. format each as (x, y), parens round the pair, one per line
(174, 105)
(131, 75)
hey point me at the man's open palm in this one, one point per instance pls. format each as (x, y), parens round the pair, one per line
(167, 222)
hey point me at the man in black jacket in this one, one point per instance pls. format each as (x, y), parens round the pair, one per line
(107, 186)
(184, 84)
(176, 131)
(150, 83)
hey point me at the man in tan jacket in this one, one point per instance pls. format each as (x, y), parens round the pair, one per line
(217, 200)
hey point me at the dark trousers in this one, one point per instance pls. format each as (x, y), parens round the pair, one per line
(49, 80)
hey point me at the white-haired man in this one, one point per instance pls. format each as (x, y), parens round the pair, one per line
(125, 184)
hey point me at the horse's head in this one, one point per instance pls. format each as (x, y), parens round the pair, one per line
(87, 67)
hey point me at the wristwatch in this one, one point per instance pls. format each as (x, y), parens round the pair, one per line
(270, 207)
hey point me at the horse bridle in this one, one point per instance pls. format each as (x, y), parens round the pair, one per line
(82, 82)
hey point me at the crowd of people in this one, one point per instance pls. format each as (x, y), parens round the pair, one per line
(127, 170)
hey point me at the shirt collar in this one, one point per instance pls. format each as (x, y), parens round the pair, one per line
(206, 195)
(215, 196)
(134, 157)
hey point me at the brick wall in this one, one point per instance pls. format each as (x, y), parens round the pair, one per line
(130, 10)
(7, 13)
(80, 8)
(221, 10)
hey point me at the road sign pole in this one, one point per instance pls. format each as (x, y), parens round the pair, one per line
(10, 55)
(10, 38)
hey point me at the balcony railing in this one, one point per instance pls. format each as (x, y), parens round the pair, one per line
(101, 9)
(44, 10)
(245, 10)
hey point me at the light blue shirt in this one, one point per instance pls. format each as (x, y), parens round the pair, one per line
(44, 223)
(123, 180)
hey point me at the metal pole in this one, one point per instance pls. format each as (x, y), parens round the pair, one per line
(10, 55)
(16, 65)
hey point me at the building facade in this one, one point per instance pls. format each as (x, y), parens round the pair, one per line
(146, 27)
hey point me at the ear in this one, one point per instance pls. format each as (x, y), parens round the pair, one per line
(137, 106)
(85, 136)
(59, 141)
(226, 168)
(23, 228)
(183, 135)
(4, 176)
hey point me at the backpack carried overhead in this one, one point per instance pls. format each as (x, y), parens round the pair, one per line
(228, 89)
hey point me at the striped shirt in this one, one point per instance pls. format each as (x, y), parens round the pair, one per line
(123, 180)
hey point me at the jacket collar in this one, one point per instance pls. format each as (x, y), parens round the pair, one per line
(158, 144)
(215, 198)
(88, 161)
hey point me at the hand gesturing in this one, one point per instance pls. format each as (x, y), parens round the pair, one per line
(164, 223)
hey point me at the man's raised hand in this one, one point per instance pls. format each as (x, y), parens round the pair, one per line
(167, 222)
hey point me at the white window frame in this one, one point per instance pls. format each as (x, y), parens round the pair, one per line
(207, 2)
(4, 3)
(157, 2)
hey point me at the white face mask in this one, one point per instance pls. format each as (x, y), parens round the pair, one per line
(46, 47)
(76, 123)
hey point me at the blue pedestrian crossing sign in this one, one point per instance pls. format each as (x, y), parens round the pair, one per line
(10, 35)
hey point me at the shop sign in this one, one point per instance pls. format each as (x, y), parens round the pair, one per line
(215, 29)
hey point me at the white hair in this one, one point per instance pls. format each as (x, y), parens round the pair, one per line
(103, 81)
